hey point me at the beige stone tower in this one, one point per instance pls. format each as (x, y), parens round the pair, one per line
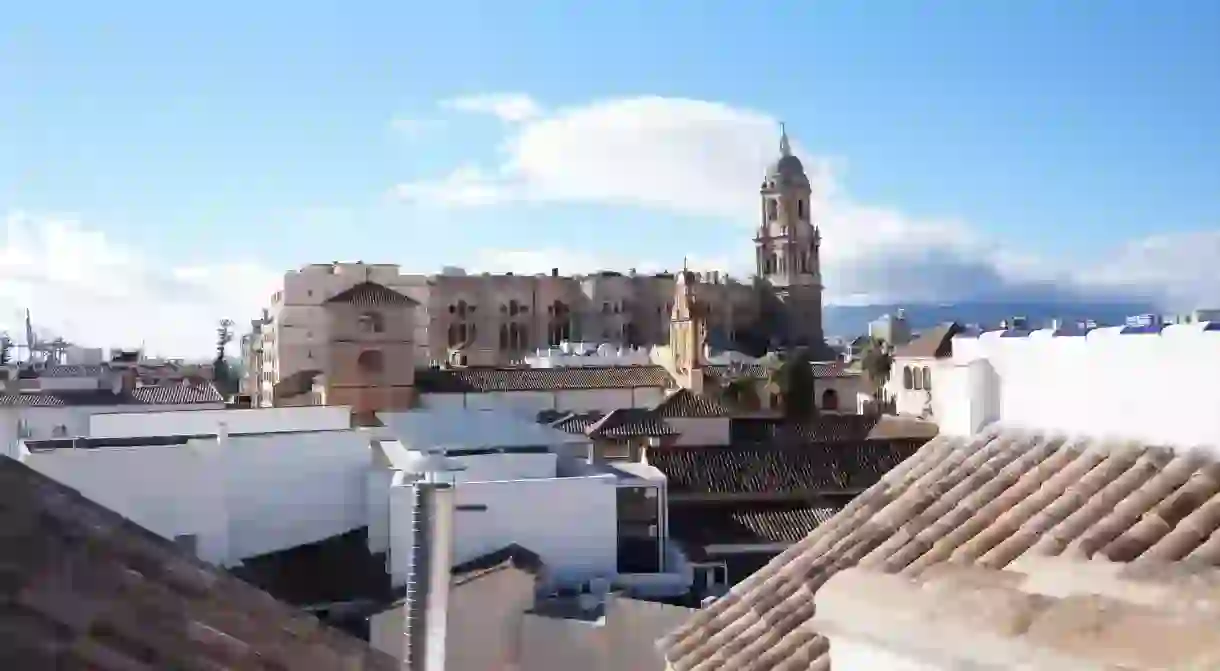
(788, 245)
(372, 350)
(688, 331)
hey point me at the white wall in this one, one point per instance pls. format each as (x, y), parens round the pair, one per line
(1153, 387)
(202, 422)
(570, 522)
(701, 430)
(577, 400)
(253, 495)
(505, 466)
(41, 423)
(170, 490)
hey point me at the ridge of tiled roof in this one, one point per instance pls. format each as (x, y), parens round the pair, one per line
(162, 394)
(371, 294)
(749, 522)
(630, 423)
(934, 343)
(989, 499)
(684, 403)
(828, 468)
(577, 422)
(86, 588)
(831, 427)
(478, 379)
(509, 556)
(300, 382)
(759, 371)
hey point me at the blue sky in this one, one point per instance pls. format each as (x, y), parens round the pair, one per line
(976, 148)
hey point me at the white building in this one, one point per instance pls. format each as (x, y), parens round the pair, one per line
(59, 401)
(481, 482)
(276, 480)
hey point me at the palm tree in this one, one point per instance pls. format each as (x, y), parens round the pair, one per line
(877, 362)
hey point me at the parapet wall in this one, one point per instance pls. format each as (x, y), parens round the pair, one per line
(1158, 385)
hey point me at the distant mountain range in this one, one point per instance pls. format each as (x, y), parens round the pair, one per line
(852, 320)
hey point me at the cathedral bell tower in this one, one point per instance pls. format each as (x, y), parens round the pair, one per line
(787, 247)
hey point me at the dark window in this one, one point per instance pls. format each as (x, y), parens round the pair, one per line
(370, 361)
(927, 378)
(908, 380)
(830, 400)
(800, 208)
(917, 376)
(372, 322)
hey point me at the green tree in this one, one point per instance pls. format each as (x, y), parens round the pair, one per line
(877, 361)
(791, 379)
(222, 375)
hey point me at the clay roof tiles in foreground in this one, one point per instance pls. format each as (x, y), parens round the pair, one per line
(988, 499)
(479, 379)
(85, 588)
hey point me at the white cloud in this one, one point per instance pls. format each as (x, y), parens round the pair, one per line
(705, 159)
(413, 128)
(508, 107)
(83, 286)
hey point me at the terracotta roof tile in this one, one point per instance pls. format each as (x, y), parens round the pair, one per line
(989, 499)
(166, 394)
(830, 428)
(819, 467)
(577, 422)
(758, 371)
(683, 403)
(699, 524)
(935, 343)
(83, 588)
(509, 556)
(630, 423)
(490, 379)
(371, 294)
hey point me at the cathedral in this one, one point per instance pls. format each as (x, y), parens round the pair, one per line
(488, 320)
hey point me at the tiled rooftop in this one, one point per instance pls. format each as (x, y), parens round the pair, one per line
(762, 522)
(989, 499)
(824, 467)
(630, 423)
(821, 369)
(509, 556)
(83, 588)
(491, 379)
(168, 394)
(830, 428)
(371, 294)
(683, 403)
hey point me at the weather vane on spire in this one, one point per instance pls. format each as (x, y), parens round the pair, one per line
(784, 148)
(684, 267)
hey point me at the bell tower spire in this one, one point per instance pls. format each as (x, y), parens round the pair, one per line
(788, 244)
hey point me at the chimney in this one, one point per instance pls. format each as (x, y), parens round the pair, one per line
(429, 577)
(554, 272)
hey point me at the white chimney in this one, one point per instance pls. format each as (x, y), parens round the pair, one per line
(440, 570)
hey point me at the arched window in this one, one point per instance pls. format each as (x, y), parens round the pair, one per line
(513, 308)
(370, 361)
(927, 378)
(773, 263)
(830, 400)
(462, 308)
(372, 322)
(800, 208)
(908, 379)
(917, 373)
(772, 209)
(453, 335)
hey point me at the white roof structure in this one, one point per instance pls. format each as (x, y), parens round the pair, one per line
(435, 429)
